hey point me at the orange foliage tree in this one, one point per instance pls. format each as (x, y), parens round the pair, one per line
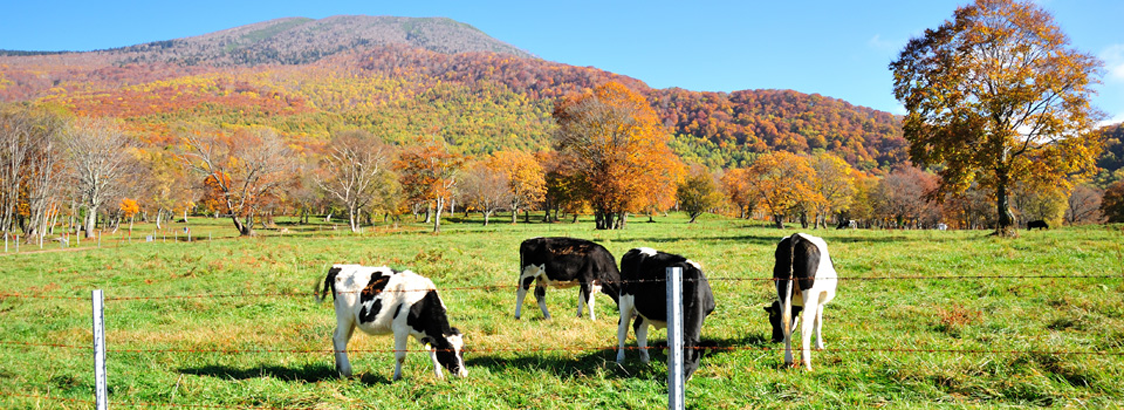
(524, 176)
(735, 183)
(998, 97)
(835, 185)
(428, 174)
(783, 182)
(620, 151)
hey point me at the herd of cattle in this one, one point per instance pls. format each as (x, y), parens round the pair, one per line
(380, 300)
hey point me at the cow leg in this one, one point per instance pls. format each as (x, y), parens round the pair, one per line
(540, 296)
(401, 336)
(586, 295)
(524, 286)
(819, 328)
(642, 337)
(339, 340)
(626, 306)
(788, 348)
(811, 308)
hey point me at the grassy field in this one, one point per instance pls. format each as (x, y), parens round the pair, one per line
(255, 338)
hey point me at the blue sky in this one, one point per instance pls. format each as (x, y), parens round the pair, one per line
(835, 48)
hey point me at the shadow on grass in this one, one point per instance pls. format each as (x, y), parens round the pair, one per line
(604, 360)
(312, 373)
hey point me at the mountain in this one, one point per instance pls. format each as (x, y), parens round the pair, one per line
(402, 78)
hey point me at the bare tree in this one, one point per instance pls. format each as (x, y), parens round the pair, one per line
(485, 189)
(244, 167)
(351, 170)
(98, 157)
(1084, 205)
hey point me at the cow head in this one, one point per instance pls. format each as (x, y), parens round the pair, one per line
(775, 319)
(450, 351)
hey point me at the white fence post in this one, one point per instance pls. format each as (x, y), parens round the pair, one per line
(100, 388)
(675, 338)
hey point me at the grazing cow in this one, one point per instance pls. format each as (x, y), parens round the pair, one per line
(1040, 224)
(563, 263)
(805, 276)
(644, 293)
(380, 301)
(847, 223)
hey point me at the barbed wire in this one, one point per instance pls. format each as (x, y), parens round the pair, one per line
(509, 286)
(704, 346)
(92, 403)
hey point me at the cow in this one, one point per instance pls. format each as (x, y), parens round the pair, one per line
(1040, 224)
(805, 276)
(563, 263)
(847, 223)
(379, 301)
(643, 294)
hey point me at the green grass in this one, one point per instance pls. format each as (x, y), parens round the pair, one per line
(513, 365)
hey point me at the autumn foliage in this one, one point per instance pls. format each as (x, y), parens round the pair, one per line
(996, 96)
(619, 152)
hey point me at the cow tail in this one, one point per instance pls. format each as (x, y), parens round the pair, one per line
(329, 283)
(786, 310)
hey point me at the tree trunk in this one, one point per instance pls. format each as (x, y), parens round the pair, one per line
(91, 221)
(352, 220)
(437, 215)
(778, 219)
(1006, 223)
(514, 215)
(486, 214)
(243, 229)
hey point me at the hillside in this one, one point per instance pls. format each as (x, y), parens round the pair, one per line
(402, 78)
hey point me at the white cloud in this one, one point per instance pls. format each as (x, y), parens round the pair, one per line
(880, 44)
(1113, 57)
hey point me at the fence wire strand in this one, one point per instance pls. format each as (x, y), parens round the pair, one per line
(512, 287)
(589, 348)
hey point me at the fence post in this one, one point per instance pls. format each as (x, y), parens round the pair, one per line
(100, 388)
(675, 338)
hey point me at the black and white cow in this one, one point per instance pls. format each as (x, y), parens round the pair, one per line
(379, 301)
(644, 293)
(805, 276)
(563, 263)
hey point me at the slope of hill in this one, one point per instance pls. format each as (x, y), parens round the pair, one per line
(404, 78)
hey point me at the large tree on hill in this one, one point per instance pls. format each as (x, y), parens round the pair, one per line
(239, 170)
(996, 96)
(619, 150)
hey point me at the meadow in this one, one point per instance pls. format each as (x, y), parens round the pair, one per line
(226, 322)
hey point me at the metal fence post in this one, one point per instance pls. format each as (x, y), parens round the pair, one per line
(100, 387)
(675, 338)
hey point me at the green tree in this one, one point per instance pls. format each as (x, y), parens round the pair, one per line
(698, 193)
(997, 96)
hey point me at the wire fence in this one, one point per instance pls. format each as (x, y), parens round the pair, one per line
(529, 349)
(513, 287)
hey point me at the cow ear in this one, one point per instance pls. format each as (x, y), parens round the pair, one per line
(456, 332)
(428, 342)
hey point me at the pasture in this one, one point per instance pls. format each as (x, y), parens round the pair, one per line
(231, 323)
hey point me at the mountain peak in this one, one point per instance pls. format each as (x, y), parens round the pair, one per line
(300, 40)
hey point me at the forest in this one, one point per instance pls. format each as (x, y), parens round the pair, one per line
(198, 131)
